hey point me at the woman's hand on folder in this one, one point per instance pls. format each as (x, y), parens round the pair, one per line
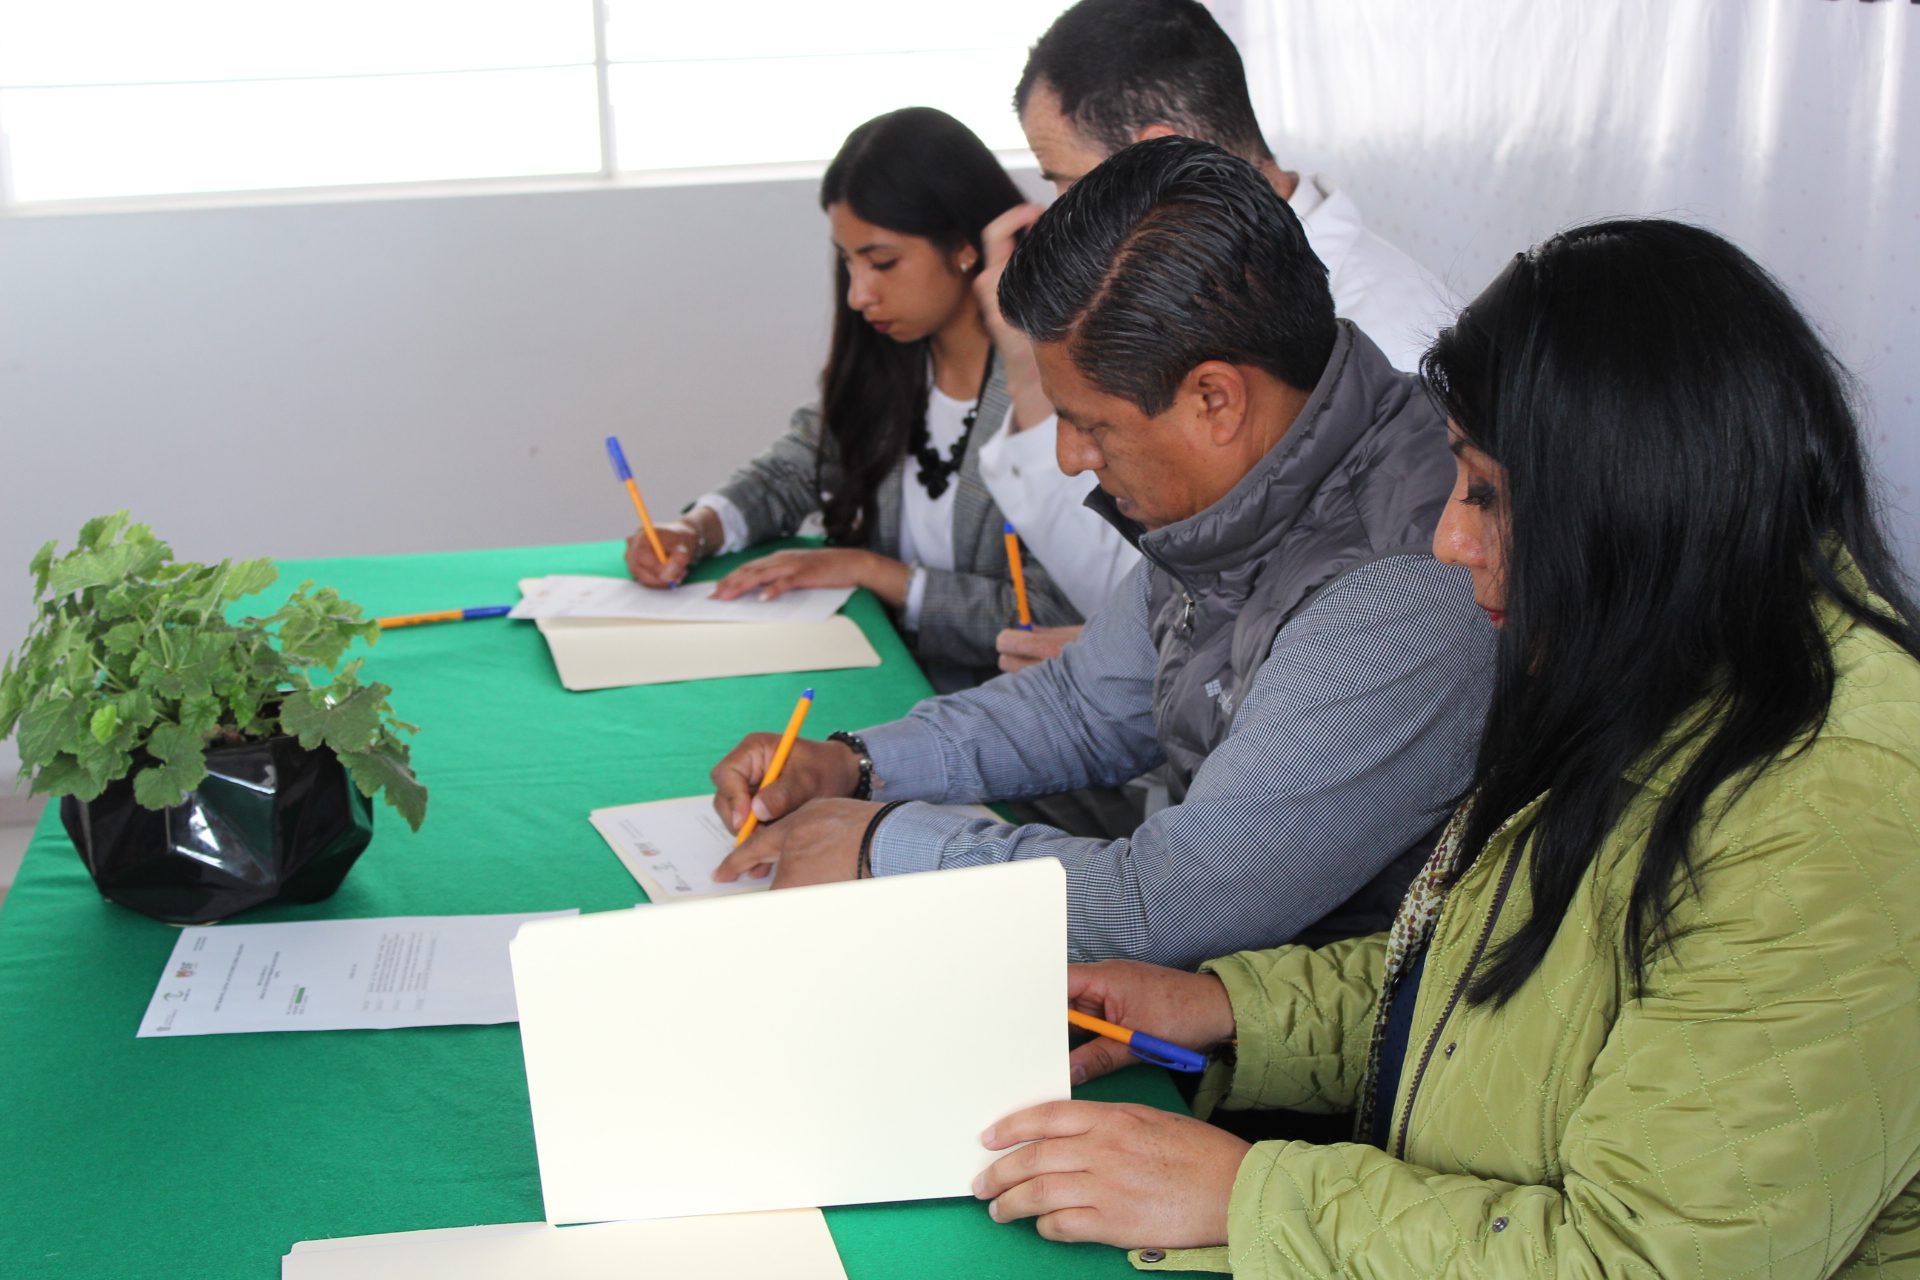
(1189, 1009)
(772, 576)
(814, 770)
(1111, 1172)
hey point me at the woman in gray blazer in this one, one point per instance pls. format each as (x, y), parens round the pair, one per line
(890, 456)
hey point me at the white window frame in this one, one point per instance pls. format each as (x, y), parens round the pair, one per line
(609, 176)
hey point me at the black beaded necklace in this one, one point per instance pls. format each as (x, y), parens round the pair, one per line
(936, 472)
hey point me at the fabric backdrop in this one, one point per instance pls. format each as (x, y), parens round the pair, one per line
(1468, 131)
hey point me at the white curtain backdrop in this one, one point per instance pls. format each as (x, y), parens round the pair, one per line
(1467, 131)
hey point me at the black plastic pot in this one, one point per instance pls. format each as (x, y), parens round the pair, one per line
(271, 820)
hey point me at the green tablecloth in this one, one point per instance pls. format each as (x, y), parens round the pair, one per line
(208, 1156)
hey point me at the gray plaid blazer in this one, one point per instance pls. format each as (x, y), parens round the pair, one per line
(964, 608)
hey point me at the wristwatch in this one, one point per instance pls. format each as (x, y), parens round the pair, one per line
(863, 790)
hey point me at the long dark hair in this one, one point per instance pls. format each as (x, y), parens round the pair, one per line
(919, 172)
(1685, 478)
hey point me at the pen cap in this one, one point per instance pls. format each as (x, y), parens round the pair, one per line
(1162, 1054)
(619, 457)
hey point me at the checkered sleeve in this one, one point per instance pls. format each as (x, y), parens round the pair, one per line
(1082, 719)
(1357, 734)
(776, 491)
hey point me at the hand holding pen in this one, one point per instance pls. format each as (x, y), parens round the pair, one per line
(780, 754)
(649, 570)
(672, 568)
(1189, 1012)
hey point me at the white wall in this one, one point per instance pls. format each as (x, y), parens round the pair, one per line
(370, 376)
(395, 374)
(1469, 131)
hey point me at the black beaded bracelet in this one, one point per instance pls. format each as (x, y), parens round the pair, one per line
(863, 867)
(863, 789)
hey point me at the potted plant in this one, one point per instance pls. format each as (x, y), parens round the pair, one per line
(204, 766)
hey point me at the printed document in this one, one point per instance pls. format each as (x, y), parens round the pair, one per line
(566, 595)
(334, 975)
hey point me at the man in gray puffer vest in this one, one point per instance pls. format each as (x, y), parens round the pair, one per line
(1313, 678)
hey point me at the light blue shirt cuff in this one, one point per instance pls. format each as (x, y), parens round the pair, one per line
(912, 837)
(907, 763)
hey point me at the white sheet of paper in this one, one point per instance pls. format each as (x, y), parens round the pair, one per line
(672, 846)
(333, 975)
(839, 1044)
(572, 595)
(611, 653)
(794, 1245)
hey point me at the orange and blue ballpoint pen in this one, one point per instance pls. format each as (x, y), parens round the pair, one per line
(780, 755)
(1143, 1046)
(621, 469)
(444, 615)
(1019, 576)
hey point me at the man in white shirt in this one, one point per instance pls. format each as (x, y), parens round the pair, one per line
(1107, 74)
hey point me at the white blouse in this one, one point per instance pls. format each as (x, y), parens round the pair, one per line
(926, 523)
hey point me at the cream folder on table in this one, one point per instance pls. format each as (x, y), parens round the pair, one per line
(793, 1245)
(839, 1044)
(610, 653)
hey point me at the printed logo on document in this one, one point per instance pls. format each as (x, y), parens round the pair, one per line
(186, 969)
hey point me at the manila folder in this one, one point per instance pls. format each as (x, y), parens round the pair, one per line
(837, 1044)
(609, 653)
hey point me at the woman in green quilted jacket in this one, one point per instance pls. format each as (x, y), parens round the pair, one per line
(1653, 1007)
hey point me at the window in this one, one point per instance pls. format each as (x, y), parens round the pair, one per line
(116, 98)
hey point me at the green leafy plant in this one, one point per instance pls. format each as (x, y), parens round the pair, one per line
(131, 667)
